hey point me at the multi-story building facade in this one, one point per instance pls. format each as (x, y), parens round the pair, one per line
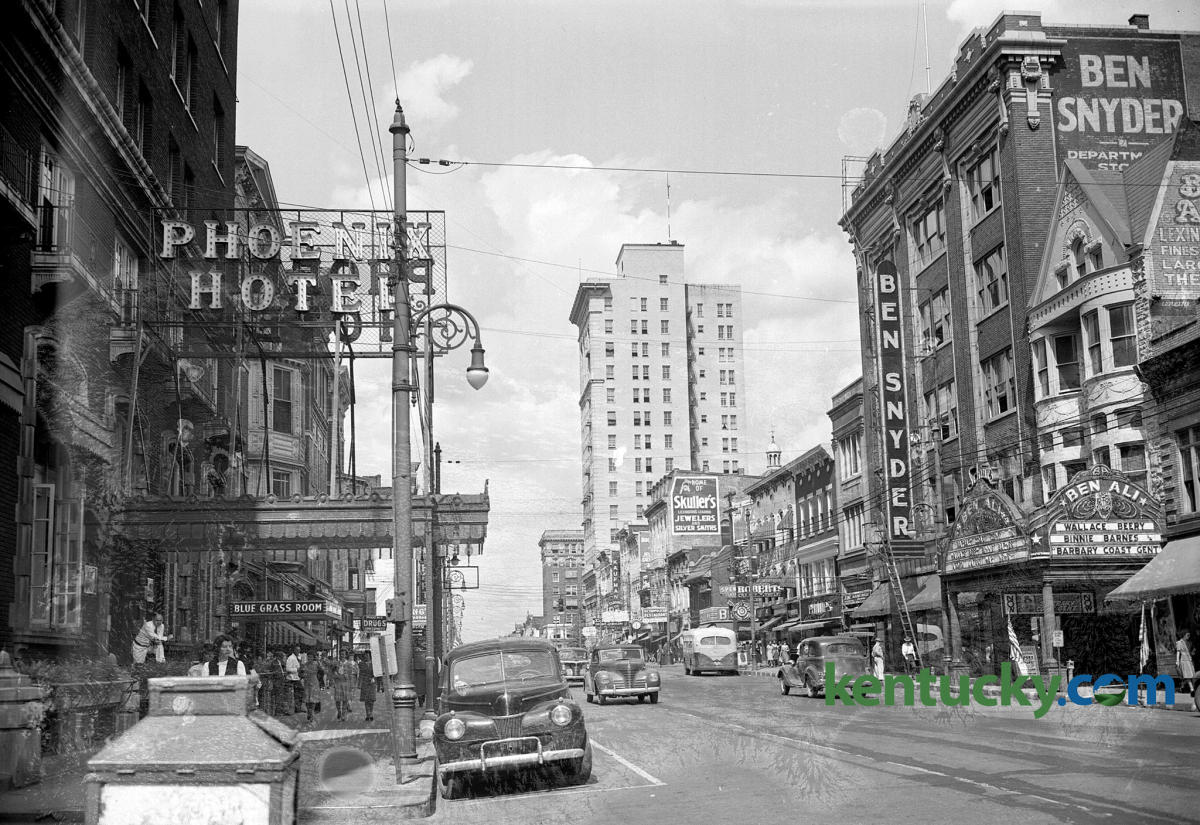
(853, 564)
(660, 376)
(110, 112)
(950, 227)
(562, 582)
(793, 537)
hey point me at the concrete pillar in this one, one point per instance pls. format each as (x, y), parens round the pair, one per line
(1048, 660)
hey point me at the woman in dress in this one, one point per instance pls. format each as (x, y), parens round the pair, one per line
(1183, 660)
(877, 659)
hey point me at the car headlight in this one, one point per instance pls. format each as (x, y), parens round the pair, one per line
(603, 676)
(455, 729)
(560, 715)
(652, 676)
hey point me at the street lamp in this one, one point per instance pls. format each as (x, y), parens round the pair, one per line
(443, 328)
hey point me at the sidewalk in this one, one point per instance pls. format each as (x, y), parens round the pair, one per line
(343, 765)
(1183, 701)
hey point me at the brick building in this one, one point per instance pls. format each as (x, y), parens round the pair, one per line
(951, 230)
(107, 112)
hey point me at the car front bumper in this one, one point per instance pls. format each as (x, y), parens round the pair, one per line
(483, 762)
(626, 691)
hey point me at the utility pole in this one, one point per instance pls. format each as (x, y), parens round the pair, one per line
(404, 695)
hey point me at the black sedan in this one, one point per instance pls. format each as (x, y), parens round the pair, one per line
(505, 706)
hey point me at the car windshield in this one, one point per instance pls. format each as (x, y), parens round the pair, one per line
(496, 667)
(619, 653)
(572, 653)
(843, 649)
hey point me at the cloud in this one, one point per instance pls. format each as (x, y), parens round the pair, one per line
(422, 88)
(862, 130)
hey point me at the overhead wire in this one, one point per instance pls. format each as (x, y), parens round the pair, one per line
(371, 111)
(350, 99)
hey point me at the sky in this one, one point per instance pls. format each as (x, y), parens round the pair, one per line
(684, 94)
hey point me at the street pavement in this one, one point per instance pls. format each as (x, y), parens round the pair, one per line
(732, 749)
(346, 768)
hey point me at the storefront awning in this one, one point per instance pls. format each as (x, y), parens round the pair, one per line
(803, 626)
(304, 637)
(929, 597)
(771, 622)
(1176, 569)
(879, 603)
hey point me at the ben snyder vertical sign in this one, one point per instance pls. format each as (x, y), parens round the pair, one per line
(893, 406)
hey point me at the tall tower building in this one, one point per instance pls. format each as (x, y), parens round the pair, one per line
(660, 369)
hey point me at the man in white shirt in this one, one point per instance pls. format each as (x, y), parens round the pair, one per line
(292, 670)
(910, 655)
(148, 636)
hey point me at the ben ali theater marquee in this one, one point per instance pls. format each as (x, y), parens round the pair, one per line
(1050, 573)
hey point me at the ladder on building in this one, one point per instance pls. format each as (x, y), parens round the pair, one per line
(901, 601)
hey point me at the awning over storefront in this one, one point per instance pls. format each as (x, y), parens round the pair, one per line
(929, 597)
(305, 638)
(879, 603)
(1176, 569)
(771, 622)
(802, 626)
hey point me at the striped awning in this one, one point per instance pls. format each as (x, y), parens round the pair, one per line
(879, 603)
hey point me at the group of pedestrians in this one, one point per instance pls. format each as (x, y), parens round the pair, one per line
(292, 683)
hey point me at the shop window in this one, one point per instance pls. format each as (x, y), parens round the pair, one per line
(999, 384)
(1122, 333)
(983, 181)
(1189, 467)
(1129, 417)
(1066, 359)
(1133, 462)
(991, 280)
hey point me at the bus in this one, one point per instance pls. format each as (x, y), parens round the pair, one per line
(709, 648)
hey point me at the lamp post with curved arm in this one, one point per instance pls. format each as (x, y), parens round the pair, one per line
(442, 328)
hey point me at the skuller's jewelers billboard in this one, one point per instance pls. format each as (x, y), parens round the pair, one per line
(1102, 514)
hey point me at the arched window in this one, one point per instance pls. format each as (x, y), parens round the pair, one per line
(1079, 258)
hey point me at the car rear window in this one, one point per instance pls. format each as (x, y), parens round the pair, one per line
(716, 640)
(843, 649)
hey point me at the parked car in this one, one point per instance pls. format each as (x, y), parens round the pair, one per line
(621, 671)
(505, 706)
(807, 670)
(574, 661)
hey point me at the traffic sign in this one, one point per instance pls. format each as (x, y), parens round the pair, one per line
(740, 611)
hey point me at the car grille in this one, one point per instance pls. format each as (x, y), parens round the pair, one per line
(622, 680)
(507, 727)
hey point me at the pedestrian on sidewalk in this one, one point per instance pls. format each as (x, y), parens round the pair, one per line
(877, 659)
(909, 652)
(772, 654)
(310, 677)
(148, 636)
(345, 680)
(291, 669)
(366, 687)
(1184, 654)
